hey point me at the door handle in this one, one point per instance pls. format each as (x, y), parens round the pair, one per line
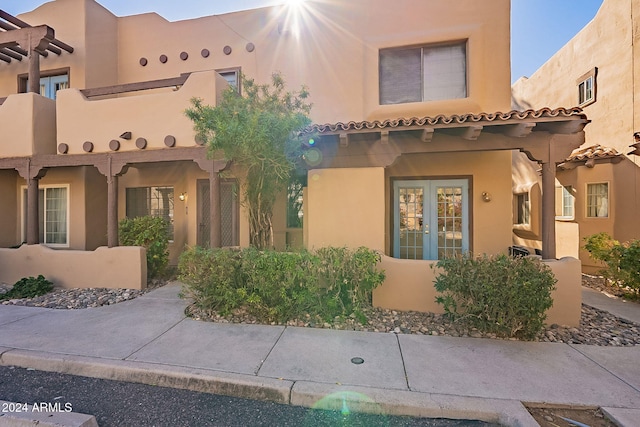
(426, 229)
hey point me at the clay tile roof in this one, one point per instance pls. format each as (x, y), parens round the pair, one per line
(446, 120)
(593, 152)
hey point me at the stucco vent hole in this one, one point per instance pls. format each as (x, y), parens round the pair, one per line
(143, 62)
(87, 146)
(114, 145)
(63, 148)
(250, 47)
(204, 53)
(141, 143)
(227, 50)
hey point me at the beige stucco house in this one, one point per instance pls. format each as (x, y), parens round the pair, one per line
(413, 134)
(598, 186)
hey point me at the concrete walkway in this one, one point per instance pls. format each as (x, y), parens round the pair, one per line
(149, 340)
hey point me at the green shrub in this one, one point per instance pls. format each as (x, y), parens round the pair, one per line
(152, 233)
(29, 287)
(281, 286)
(212, 278)
(622, 260)
(502, 295)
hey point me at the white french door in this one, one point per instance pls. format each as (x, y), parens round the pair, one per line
(431, 218)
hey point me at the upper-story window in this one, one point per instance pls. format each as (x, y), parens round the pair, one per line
(423, 73)
(50, 83)
(587, 88)
(232, 76)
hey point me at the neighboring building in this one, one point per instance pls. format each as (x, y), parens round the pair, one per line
(598, 70)
(413, 159)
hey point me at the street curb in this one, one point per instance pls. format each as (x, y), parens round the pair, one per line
(299, 393)
(16, 414)
(201, 380)
(416, 404)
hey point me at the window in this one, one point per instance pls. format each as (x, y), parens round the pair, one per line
(50, 83)
(53, 218)
(587, 88)
(598, 200)
(523, 209)
(564, 202)
(427, 73)
(295, 208)
(232, 76)
(151, 201)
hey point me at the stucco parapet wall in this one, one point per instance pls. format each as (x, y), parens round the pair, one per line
(408, 286)
(153, 116)
(28, 123)
(119, 267)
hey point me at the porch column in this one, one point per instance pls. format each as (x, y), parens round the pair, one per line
(214, 203)
(548, 210)
(34, 71)
(112, 211)
(33, 228)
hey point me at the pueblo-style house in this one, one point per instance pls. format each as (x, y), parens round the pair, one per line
(412, 153)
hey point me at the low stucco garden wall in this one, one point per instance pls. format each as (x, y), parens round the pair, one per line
(119, 267)
(409, 286)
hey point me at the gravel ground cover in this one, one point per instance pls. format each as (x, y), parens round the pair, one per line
(597, 327)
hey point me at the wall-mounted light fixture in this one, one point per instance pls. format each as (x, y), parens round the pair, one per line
(486, 196)
(183, 196)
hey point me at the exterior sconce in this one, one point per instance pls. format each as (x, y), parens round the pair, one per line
(486, 196)
(183, 196)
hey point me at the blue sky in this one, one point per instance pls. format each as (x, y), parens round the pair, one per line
(538, 27)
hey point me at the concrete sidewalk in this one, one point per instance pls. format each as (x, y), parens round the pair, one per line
(149, 340)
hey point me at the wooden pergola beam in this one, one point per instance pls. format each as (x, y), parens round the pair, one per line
(21, 24)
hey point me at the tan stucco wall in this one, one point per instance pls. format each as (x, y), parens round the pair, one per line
(346, 207)
(488, 171)
(409, 286)
(149, 116)
(28, 123)
(123, 267)
(108, 49)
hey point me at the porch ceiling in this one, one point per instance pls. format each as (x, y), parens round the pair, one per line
(545, 135)
(16, 37)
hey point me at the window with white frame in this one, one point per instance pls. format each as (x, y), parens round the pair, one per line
(587, 88)
(425, 73)
(232, 76)
(598, 200)
(564, 202)
(53, 215)
(151, 201)
(523, 209)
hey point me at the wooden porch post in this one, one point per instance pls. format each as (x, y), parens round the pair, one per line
(112, 211)
(34, 71)
(548, 210)
(33, 228)
(214, 200)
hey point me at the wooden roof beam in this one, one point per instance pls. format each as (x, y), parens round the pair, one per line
(472, 133)
(344, 140)
(427, 134)
(10, 53)
(21, 24)
(4, 57)
(520, 130)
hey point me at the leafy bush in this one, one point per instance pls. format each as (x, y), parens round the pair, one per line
(503, 295)
(152, 233)
(280, 286)
(622, 260)
(29, 287)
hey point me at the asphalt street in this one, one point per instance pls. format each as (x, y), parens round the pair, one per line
(117, 403)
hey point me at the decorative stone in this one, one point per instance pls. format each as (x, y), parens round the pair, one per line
(114, 145)
(63, 148)
(205, 53)
(184, 56)
(143, 62)
(141, 143)
(164, 59)
(226, 50)
(87, 146)
(169, 140)
(250, 47)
